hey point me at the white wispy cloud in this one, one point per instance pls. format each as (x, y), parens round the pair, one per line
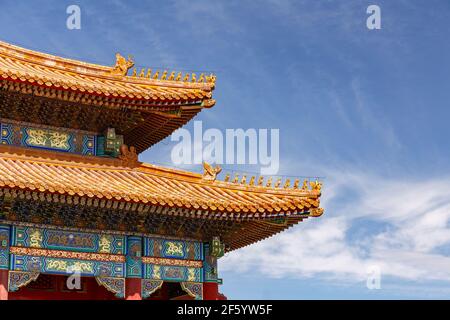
(363, 107)
(415, 216)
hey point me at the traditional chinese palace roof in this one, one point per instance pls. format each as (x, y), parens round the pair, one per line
(146, 108)
(86, 190)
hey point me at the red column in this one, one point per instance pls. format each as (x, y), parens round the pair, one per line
(133, 289)
(210, 291)
(3, 284)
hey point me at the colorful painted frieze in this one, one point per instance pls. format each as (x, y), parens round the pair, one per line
(68, 240)
(55, 251)
(48, 138)
(175, 249)
(173, 273)
(67, 266)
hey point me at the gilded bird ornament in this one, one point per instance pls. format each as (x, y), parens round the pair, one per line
(210, 173)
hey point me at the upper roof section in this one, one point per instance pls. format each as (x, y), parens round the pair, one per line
(145, 108)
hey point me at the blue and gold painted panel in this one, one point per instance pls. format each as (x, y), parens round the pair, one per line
(67, 266)
(67, 240)
(173, 273)
(174, 249)
(134, 257)
(6, 133)
(89, 145)
(209, 266)
(45, 138)
(4, 247)
(33, 249)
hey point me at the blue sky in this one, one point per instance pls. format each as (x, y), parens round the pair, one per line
(367, 110)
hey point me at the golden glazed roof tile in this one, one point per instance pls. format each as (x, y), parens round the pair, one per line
(23, 65)
(147, 184)
(45, 89)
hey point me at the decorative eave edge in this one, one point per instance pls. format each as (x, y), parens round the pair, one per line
(158, 206)
(138, 102)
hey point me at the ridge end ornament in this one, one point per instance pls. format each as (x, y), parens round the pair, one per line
(210, 173)
(316, 212)
(122, 65)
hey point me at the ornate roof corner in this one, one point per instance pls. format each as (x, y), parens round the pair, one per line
(210, 173)
(208, 103)
(316, 212)
(122, 65)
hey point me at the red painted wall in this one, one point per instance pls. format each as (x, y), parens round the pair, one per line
(55, 289)
(211, 292)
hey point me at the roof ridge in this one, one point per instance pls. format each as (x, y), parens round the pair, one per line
(6, 48)
(144, 167)
(189, 80)
(107, 164)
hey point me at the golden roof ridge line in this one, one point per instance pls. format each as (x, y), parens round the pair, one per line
(263, 189)
(188, 78)
(98, 70)
(90, 230)
(198, 179)
(122, 79)
(20, 52)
